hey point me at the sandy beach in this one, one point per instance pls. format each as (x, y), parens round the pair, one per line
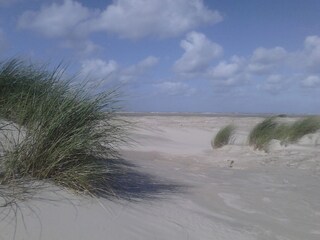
(176, 186)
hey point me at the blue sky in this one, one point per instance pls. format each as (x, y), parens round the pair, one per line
(178, 55)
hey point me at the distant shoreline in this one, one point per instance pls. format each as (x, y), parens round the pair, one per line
(208, 114)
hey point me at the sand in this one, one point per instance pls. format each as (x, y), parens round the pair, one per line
(181, 188)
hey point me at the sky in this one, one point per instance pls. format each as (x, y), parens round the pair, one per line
(248, 56)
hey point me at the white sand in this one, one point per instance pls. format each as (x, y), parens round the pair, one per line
(183, 189)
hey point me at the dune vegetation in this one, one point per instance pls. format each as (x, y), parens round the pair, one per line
(55, 131)
(264, 132)
(224, 136)
(302, 127)
(270, 128)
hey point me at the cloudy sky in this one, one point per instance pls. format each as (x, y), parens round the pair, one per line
(178, 55)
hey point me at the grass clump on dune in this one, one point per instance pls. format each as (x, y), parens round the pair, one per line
(224, 136)
(262, 133)
(68, 134)
(302, 127)
(270, 128)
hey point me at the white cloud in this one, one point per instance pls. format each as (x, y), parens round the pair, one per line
(147, 62)
(160, 18)
(57, 20)
(98, 69)
(264, 55)
(199, 52)
(175, 88)
(136, 70)
(226, 70)
(83, 47)
(265, 65)
(275, 83)
(132, 19)
(311, 81)
(312, 53)
(273, 70)
(265, 60)
(71, 21)
(229, 73)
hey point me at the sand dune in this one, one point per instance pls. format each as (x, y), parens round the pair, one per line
(178, 187)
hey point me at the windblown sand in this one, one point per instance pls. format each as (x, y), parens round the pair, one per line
(178, 187)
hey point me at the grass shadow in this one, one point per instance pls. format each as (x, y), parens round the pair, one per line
(126, 181)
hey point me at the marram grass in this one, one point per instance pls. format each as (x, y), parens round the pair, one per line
(224, 136)
(302, 127)
(263, 133)
(270, 128)
(68, 134)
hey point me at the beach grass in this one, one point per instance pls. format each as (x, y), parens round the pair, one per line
(262, 133)
(303, 127)
(270, 128)
(68, 134)
(224, 136)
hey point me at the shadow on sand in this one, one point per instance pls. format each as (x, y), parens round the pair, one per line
(123, 182)
(126, 181)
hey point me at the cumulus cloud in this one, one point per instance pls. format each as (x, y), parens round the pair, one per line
(199, 52)
(108, 71)
(160, 18)
(57, 20)
(264, 64)
(228, 72)
(136, 70)
(239, 70)
(175, 88)
(271, 69)
(311, 81)
(312, 53)
(274, 70)
(99, 69)
(266, 60)
(82, 46)
(143, 64)
(276, 83)
(65, 21)
(72, 21)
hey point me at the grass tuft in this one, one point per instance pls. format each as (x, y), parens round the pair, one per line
(303, 127)
(269, 129)
(223, 137)
(262, 133)
(68, 134)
